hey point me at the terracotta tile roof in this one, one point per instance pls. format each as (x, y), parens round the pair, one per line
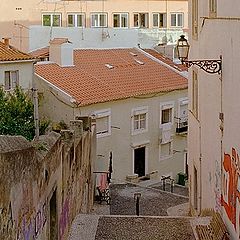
(92, 81)
(9, 53)
(40, 53)
(166, 60)
(59, 41)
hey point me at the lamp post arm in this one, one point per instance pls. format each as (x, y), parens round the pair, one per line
(209, 66)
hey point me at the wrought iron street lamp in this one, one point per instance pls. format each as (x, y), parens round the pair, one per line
(209, 66)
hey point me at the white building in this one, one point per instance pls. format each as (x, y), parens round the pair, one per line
(137, 101)
(16, 67)
(213, 141)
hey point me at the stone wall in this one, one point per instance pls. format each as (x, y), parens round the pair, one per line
(45, 183)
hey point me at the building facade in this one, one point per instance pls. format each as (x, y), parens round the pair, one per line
(117, 14)
(213, 141)
(140, 106)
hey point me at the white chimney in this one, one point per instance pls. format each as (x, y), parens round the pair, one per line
(61, 52)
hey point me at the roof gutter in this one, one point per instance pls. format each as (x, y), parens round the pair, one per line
(71, 99)
(17, 61)
(182, 73)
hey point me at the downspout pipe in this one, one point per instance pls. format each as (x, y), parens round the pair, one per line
(35, 104)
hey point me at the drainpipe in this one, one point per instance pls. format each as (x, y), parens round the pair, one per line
(35, 103)
(200, 167)
(221, 117)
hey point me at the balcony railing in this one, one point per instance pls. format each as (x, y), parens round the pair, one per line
(182, 125)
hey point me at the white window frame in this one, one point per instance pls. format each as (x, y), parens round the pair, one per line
(120, 15)
(164, 106)
(139, 20)
(75, 15)
(138, 111)
(158, 20)
(100, 114)
(51, 19)
(11, 83)
(162, 158)
(98, 20)
(177, 24)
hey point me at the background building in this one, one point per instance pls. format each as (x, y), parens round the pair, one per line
(159, 20)
(213, 141)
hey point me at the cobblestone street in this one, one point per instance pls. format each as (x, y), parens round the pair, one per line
(152, 201)
(116, 221)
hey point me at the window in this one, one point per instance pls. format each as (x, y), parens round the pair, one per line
(195, 93)
(159, 20)
(176, 19)
(51, 19)
(195, 18)
(120, 20)
(166, 114)
(139, 120)
(103, 123)
(212, 8)
(99, 20)
(76, 20)
(166, 150)
(11, 79)
(140, 20)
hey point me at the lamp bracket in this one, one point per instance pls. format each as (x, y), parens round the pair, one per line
(209, 66)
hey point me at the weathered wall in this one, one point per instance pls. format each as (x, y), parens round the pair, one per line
(45, 185)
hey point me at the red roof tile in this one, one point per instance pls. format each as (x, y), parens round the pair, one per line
(59, 41)
(40, 53)
(91, 81)
(161, 57)
(9, 53)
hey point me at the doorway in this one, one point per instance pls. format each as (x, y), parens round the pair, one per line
(139, 161)
(53, 216)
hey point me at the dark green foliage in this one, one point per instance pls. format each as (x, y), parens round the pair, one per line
(16, 114)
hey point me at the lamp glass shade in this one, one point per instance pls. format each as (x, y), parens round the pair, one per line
(182, 48)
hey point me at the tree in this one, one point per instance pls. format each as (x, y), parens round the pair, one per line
(16, 113)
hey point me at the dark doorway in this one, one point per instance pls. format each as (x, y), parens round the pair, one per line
(139, 161)
(53, 217)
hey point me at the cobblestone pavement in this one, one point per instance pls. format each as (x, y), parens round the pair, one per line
(143, 228)
(152, 201)
(119, 225)
(177, 189)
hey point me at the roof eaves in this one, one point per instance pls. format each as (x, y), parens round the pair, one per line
(70, 97)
